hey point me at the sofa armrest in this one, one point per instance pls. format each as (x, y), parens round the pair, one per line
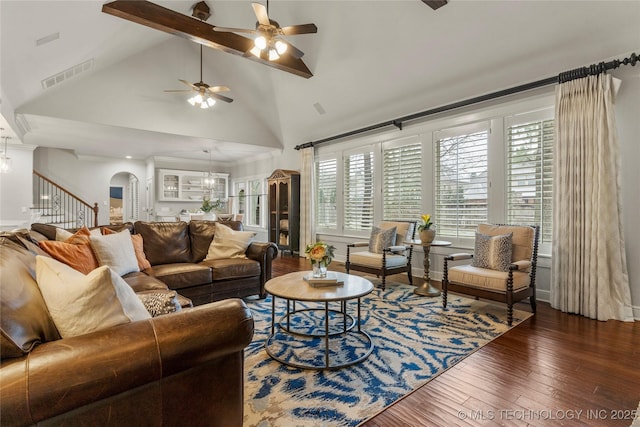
(59, 376)
(264, 253)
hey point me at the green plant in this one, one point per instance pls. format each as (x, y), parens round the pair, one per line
(426, 222)
(208, 206)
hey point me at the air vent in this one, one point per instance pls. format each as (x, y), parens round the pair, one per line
(47, 39)
(56, 79)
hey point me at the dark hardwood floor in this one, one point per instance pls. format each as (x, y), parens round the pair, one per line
(553, 369)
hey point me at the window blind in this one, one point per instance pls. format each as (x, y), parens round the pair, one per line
(358, 191)
(402, 182)
(460, 183)
(326, 185)
(529, 175)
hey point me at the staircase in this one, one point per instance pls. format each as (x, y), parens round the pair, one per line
(56, 205)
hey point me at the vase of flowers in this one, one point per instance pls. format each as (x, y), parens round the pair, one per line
(208, 206)
(427, 233)
(320, 255)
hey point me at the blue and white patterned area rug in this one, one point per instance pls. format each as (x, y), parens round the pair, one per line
(415, 340)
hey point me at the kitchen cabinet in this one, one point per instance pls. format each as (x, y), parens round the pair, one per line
(191, 186)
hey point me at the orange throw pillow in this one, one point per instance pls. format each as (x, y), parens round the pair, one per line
(138, 247)
(75, 251)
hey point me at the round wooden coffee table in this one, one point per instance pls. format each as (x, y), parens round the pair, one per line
(292, 287)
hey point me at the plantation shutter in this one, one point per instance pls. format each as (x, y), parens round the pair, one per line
(358, 191)
(402, 182)
(461, 180)
(529, 175)
(326, 174)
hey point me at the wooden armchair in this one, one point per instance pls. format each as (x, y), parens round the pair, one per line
(384, 259)
(508, 280)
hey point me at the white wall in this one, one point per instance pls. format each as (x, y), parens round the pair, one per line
(15, 188)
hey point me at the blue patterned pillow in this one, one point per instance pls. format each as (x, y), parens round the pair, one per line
(381, 238)
(493, 252)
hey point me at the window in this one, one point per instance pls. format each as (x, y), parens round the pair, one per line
(461, 182)
(529, 174)
(249, 199)
(358, 190)
(402, 182)
(326, 186)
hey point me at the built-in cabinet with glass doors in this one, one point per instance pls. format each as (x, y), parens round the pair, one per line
(191, 186)
(284, 210)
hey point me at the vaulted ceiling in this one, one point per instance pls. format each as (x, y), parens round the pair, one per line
(371, 61)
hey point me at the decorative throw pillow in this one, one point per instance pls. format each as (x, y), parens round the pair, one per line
(76, 251)
(493, 252)
(228, 243)
(381, 238)
(116, 251)
(138, 248)
(159, 302)
(80, 304)
(63, 235)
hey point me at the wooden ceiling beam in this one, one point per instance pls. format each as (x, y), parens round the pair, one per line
(169, 21)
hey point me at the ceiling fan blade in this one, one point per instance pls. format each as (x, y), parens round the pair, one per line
(221, 97)
(299, 29)
(233, 30)
(214, 89)
(178, 90)
(261, 13)
(191, 85)
(435, 4)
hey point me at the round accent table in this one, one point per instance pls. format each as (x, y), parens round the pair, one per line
(427, 289)
(293, 287)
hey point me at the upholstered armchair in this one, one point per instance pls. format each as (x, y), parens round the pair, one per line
(503, 267)
(388, 251)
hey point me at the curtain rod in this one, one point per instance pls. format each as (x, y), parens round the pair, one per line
(563, 77)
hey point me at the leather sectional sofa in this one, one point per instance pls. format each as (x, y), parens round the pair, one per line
(147, 372)
(176, 251)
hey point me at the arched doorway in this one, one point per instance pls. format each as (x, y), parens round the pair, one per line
(124, 204)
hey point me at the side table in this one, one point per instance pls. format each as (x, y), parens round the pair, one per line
(426, 289)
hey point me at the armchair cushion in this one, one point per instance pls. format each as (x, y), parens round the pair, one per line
(522, 239)
(487, 279)
(381, 238)
(493, 252)
(374, 260)
(405, 230)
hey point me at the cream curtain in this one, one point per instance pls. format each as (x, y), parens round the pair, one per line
(307, 202)
(589, 271)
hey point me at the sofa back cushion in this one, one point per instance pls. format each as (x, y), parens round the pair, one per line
(165, 242)
(201, 233)
(24, 318)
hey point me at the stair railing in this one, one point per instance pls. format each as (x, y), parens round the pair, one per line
(56, 205)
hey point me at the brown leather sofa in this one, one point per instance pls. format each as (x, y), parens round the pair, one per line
(181, 368)
(176, 251)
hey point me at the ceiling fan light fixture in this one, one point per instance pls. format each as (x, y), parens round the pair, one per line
(281, 47)
(260, 42)
(192, 100)
(256, 51)
(211, 102)
(273, 54)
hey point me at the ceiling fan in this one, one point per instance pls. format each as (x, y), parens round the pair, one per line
(435, 4)
(269, 43)
(204, 93)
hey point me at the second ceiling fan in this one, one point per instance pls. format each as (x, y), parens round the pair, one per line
(269, 43)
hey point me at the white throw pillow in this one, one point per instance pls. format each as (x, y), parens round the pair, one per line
(80, 304)
(62, 234)
(228, 243)
(116, 251)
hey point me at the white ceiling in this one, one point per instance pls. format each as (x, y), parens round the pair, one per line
(372, 61)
